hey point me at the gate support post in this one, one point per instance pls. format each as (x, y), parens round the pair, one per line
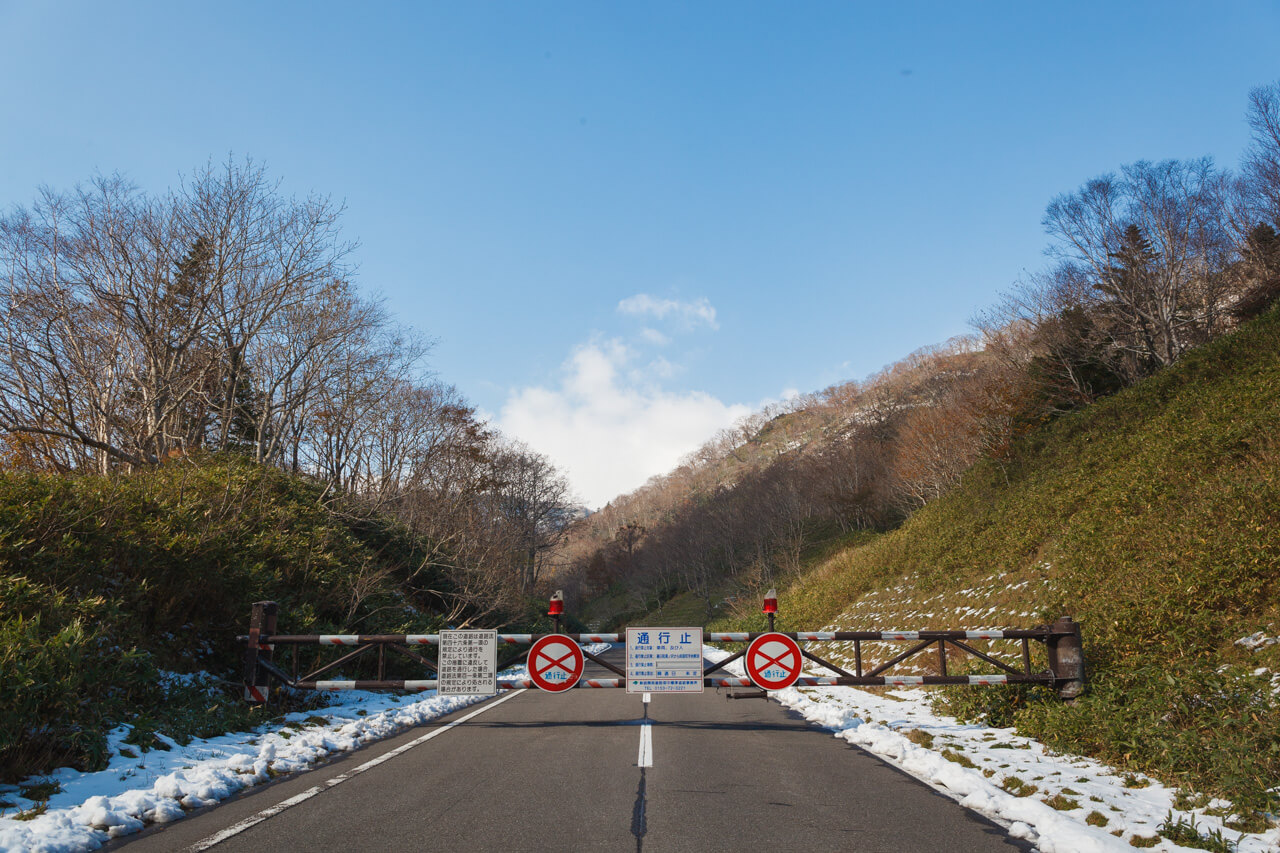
(1066, 658)
(261, 624)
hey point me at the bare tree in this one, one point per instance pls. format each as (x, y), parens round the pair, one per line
(107, 325)
(532, 502)
(1152, 244)
(1048, 329)
(137, 327)
(1261, 169)
(270, 259)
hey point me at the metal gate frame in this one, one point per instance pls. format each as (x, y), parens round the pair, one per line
(1062, 642)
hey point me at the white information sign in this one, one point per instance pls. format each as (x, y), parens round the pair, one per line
(468, 663)
(664, 660)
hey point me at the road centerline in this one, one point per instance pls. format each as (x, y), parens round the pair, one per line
(645, 758)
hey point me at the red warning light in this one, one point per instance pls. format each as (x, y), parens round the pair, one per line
(770, 602)
(557, 604)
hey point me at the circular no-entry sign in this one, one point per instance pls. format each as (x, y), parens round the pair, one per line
(773, 661)
(555, 663)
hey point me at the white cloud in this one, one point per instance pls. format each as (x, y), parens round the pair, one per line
(659, 368)
(686, 315)
(653, 336)
(611, 426)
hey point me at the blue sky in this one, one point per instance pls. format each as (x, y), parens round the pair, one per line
(628, 224)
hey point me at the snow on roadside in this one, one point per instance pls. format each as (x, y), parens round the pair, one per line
(1012, 778)
(160, 786)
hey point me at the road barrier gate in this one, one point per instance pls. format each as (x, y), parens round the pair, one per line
(1062, 642)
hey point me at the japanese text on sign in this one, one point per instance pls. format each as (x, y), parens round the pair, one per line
(468, 663)
(664, 660)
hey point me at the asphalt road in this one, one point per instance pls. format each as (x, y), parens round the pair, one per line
(594, 770)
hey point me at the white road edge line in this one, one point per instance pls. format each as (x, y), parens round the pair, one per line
(237, 828)
(646, 699)
(646, 746)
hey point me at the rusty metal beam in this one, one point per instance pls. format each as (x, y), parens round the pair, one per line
(614, 668)
(722, 663)
(427, 662)
(350, 656)
(988, 658)
(828, 664)
(914, 650)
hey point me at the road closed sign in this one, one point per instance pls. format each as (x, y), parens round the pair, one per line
(664, 660)
(773, 661)
(555, 663)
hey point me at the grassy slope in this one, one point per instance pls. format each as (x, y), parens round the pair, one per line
(1154, 518)
(105, 580)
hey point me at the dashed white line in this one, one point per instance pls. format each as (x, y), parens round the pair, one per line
(646, 746)
(237, 828)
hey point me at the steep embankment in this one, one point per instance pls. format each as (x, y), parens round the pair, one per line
(105, 582)
(1153, 517)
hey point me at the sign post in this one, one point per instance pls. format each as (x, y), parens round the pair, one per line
(664, 660)
(555, 663)
(468, 663)
(773, 661)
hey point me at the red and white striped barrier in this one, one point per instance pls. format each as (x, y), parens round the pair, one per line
(431, 684)
(610, 683)
(712, 637)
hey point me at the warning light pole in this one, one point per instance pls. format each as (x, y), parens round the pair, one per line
(770, 606)
(556, 610)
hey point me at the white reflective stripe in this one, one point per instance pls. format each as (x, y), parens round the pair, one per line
(904, 679)
(816, 680)
(420, 685)
(600, 682)
(899, 635)
(339, 639)
(335, 685)
(729, 637)
(421, 639)
(516, 638)
(984, 635)
(645, 758)
(988, 679)
(815, 635)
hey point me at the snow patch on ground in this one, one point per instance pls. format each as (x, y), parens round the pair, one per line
(1013, 778)
(1260, 640)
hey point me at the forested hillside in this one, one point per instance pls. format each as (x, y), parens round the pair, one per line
(1153, 517)
(223, 316)
(1148, 264)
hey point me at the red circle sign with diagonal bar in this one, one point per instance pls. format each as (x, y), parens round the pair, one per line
(773, 661)
(555, 663)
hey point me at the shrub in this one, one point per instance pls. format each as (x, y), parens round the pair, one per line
(106, 580)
